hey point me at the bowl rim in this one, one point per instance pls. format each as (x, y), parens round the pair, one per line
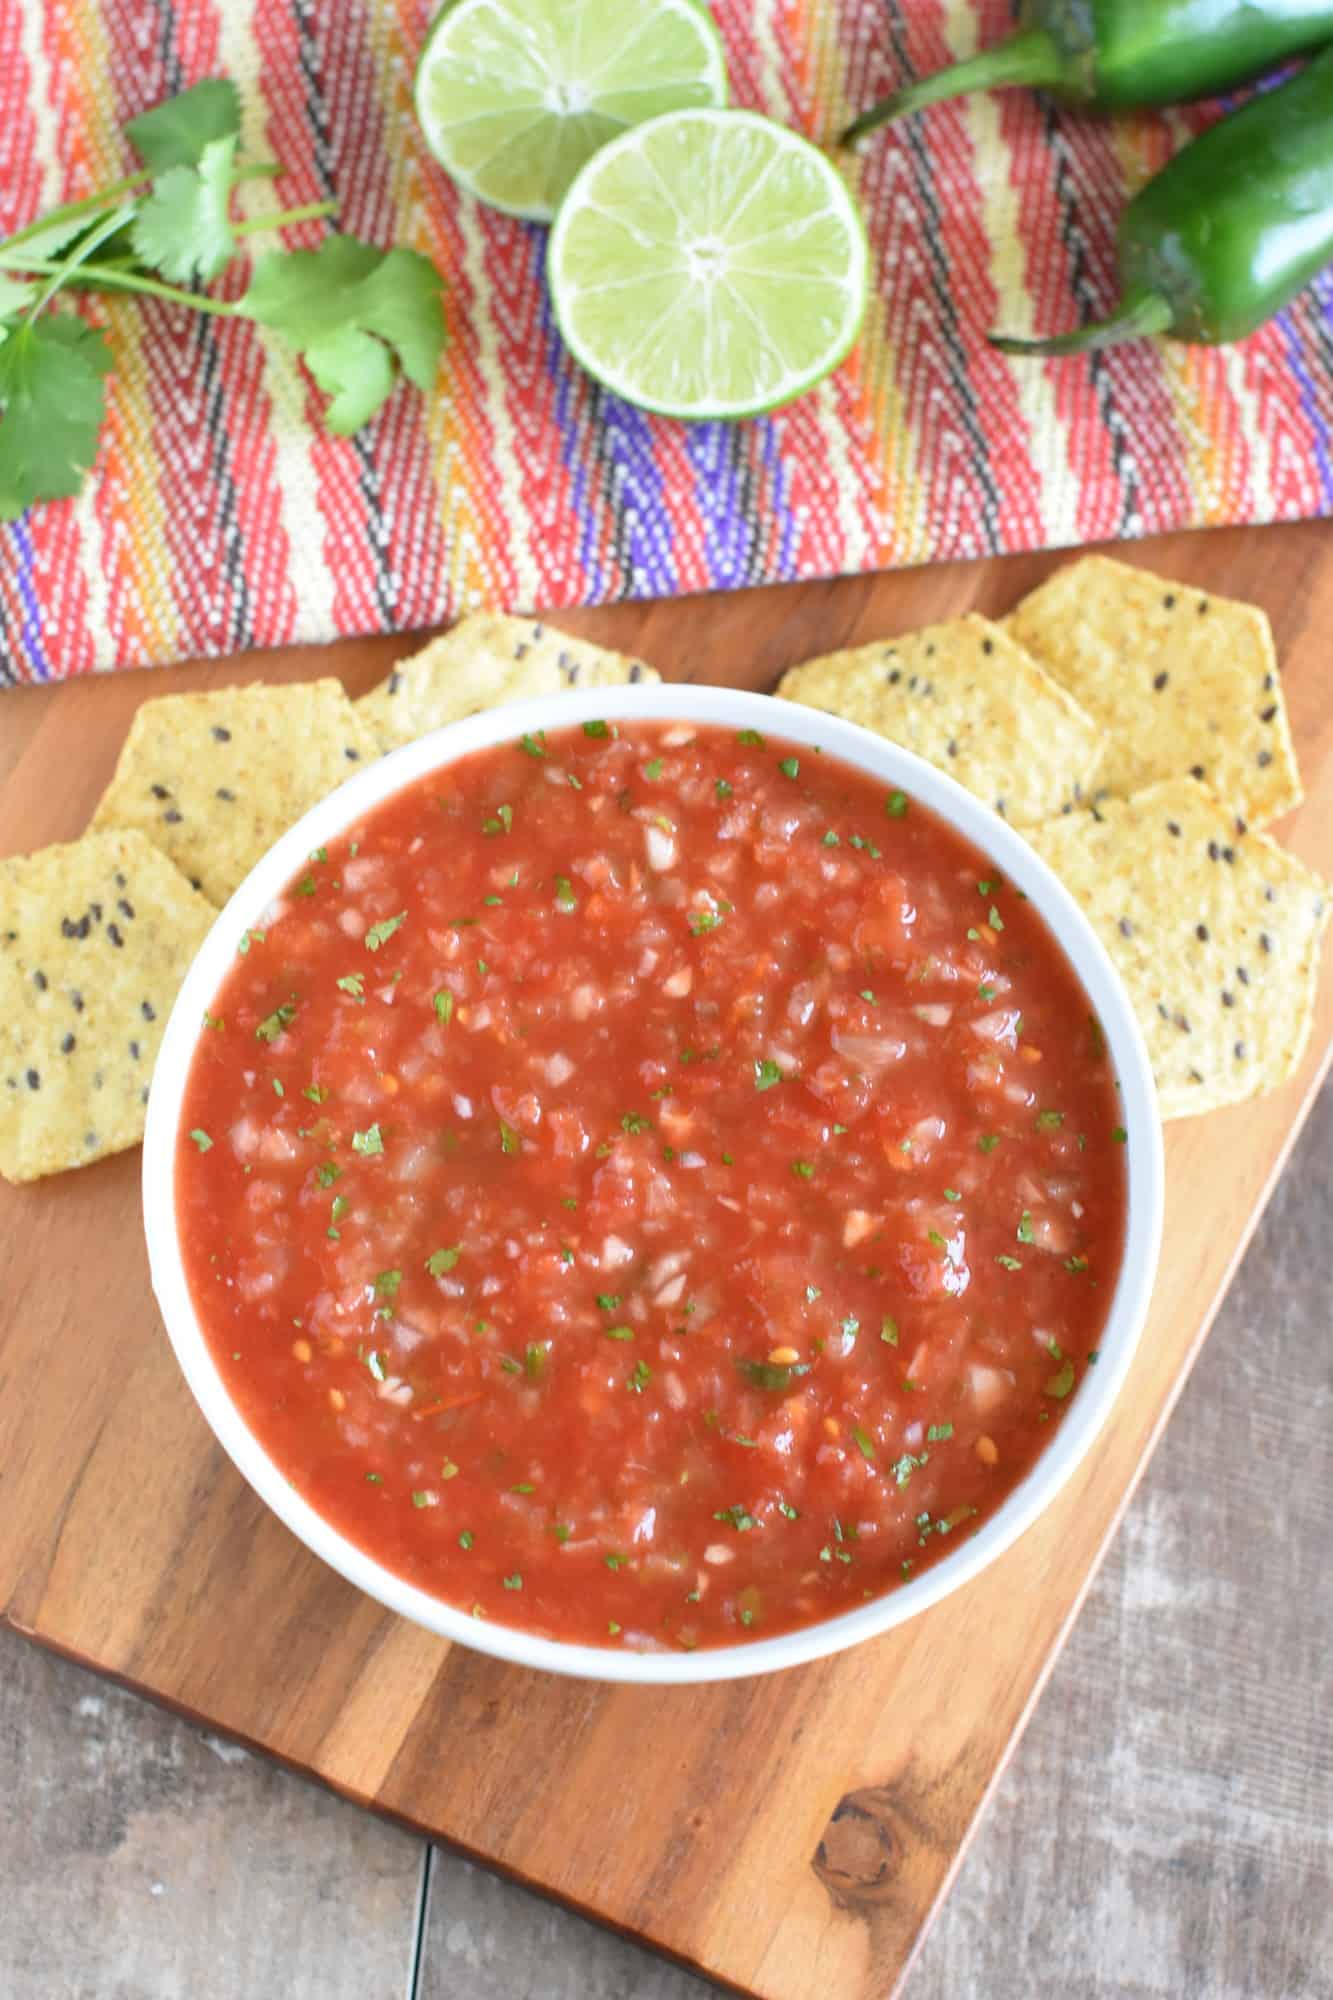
(883, 761)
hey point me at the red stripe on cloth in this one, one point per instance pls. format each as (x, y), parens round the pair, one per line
(512, 255)
(382, 541)
(211, 417)
(55, 571)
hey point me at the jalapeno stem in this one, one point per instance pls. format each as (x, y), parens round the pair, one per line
(1142, 313)
(1031, 57)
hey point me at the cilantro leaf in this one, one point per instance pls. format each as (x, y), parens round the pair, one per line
(179, 132)
(352, 310)
(183, 229)
(53, 401)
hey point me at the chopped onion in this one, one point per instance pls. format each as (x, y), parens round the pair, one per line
(871, 1053)
(935, 1014)
(616, 1251)
(680, 982)
(661, 847)
(559, 1069)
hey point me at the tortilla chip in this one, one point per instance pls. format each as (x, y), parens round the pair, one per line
(484, 661)
(1214, 930)
(95, 939)
(1183, 684)
(966, 697)
(213, 779)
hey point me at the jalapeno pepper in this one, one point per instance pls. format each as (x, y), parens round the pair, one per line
(1116, 54)
(1237, 223)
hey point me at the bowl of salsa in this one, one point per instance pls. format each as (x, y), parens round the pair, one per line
(656, 1184)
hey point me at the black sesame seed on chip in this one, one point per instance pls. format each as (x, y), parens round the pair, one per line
(220, 734)
(1201, 933)
(147, 1009)
(34, 1080)
(159, 791)
(67, 1045)
(172, 816)
(113, 933)
(39, 981)
(1159, 681)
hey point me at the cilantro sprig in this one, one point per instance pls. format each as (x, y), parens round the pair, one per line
(358, 316)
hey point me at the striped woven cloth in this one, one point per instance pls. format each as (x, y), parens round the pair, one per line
(221, 516)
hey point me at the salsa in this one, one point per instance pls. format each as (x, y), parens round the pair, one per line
(651, 1185)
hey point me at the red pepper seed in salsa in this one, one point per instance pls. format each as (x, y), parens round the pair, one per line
(661, 1189)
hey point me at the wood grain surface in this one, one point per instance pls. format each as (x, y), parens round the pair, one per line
(790, 1836)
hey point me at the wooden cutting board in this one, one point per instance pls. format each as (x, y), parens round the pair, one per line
(790, 1836)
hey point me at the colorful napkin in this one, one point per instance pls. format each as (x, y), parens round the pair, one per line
(220, 516)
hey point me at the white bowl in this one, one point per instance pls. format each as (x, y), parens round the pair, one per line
(891, 766)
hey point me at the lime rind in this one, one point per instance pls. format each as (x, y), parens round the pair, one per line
(709, 265)
(513, 96)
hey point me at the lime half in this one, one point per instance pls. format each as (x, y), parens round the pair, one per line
(514, 95)
(709, 264)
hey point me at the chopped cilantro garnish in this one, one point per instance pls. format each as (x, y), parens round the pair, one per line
(864, 1443)
(213, 1020)
(888, 1329)
(1009, 1263)
(614, 1560)
(514, 1582)
(369, 1141)
(988, 1142)
(1119, 1134)
(1050, 1121)
(803, 1170)
(619, 1332)
(995, 920)
(315, 1092)
(653, 769)
(501, 823)
(440, 1261)
(201, 1139)
(750, 739)
(811, 1294)
(703, 920)
(985, 992)
(375, 1363)
(952, 1194)
(830, 839)
(534, 745)
(896, 805)
(374, 1479)
(938, 1432)
(790, 767)
(737, 1516)
(380, 933)
(425, 1499)
(327, 1174)
(1024, 1230)
(634, 1122)
(766, 1074)
(466, 1539)
(792, 1513)
(640, 1379)
(306, 886)
(905, 1466)
(940, 1242)
(387, 1283)
(534, 1361)
(278, 1090)
(247, 939)
(1062, 1381)
(1076, 1263)
(608, 1301)
(564, 894)
(509, 1139)
(338, 1207)
(353, 983)
(595, 729)
(273, 1024)
(444, 1007)
(722, 789)
(772, 1374)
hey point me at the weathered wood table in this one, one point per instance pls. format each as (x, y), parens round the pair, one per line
(1164, 1830)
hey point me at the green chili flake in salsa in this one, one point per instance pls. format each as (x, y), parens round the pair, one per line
(631, 1334)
